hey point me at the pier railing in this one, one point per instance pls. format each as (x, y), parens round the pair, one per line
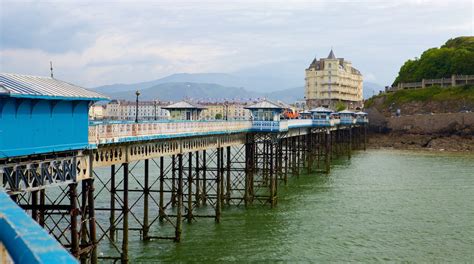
(22, 240)
(293, 123)
(105, 132)
(116, 131)
(455, 80)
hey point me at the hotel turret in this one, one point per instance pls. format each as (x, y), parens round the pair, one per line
(332, 80)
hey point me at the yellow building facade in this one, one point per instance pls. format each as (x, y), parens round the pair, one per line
(231, 110)
(333, 80)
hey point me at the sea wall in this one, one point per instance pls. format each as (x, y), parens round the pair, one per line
(441, 123)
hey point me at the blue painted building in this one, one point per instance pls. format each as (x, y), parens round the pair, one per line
(42, 114)
(347, 117)
(362, 117)
(266, 116)
(322, 117)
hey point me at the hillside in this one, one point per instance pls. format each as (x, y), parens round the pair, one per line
(456, 56)
(424, 101)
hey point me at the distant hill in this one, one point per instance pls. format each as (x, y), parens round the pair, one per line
(289, 95)
(456, 56)
(175, 91)
(214, 86)
(223, 79)
(209, 91)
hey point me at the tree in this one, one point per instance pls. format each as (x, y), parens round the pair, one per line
(218, 116)
(454, 57)
(340, 106)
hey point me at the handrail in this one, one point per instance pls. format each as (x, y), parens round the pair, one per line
(25, 240)
(101, 132)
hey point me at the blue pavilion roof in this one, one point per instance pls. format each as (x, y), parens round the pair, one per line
(28, 86)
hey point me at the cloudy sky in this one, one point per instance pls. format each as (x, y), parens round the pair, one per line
(104, 42)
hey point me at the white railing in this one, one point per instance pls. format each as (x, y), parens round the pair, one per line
(348, 121)
(101, 132)
(300, 123)
(106, 132)
(325, 123)
(362, 120)
(271, 126)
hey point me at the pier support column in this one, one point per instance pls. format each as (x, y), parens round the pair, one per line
(92, 220)
(41, 216)
(197, 182)
(309, 152)
(294, 152)
(112, 229)
(219, 186)
(272, 174)
(189, 215)
(221, 180)
(83, 231)
(365, 137)
(74, 212)
(34, 204)
(249, 169)
(125, 210)
(161, 208)
(349, 143)
(146, 193)
(327, 151)
(173, 180)
(204, 177)
(228, 178)
(179, 195)
(286, 160)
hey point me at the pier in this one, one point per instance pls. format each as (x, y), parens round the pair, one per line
(181, 170)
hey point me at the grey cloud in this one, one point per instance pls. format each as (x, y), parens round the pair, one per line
(377, 36)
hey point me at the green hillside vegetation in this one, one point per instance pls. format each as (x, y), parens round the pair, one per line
(436, 94)
(456, 56)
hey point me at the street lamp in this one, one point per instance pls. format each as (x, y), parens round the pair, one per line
(137, 93)
(155, 102)
(226, 105)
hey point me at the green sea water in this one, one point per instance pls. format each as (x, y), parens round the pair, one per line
(381, 205)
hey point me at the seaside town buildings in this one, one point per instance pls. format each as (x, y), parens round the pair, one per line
(332, 80)
(126, 110)
(208, 110)
(226, 110)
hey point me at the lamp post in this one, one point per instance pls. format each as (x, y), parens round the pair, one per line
(137, 93)
(226, 105)
(155, 102)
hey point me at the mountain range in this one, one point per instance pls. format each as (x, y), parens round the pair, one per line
(209, 86)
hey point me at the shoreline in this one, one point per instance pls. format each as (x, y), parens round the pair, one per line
(426, 142)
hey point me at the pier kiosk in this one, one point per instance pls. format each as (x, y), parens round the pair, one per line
(322, 117)
(185, 110)
(42, 115)
(361, 118)
(266, 116)
(347, 117)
